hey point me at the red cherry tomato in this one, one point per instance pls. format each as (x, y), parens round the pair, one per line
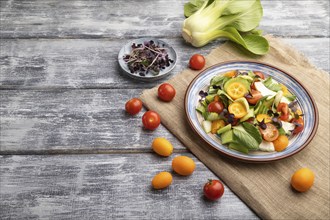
(256, 96)
(253, 87)
(151, 120)
(299, 123)
(284, 109)
(215, 106)
(270, 133)
(133, 106)
(166, 92)
(197, 62)
(213, 189)
(260, 74)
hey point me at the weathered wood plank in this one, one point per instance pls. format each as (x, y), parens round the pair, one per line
(65, 121)
(74, 63)
(107, 187)
(40, 64)
(115, 19)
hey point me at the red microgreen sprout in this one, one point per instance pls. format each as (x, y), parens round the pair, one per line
(262, 124)
(147, 57)
(277, 122)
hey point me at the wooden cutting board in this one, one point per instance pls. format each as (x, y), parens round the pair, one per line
(264, 187)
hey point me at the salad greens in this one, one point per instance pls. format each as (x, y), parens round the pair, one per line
(247, 136)
(249, 112)
(235, 20)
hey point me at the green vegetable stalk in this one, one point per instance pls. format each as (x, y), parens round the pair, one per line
(235, 20)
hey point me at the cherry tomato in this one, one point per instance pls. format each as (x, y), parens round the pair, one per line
(256, 96)
(299, 122)
(281, 143)
(133, 106)
(197, 62)
(215, 106)
(213, 189)
(270, 133)
(260, 74)
(252, 86)
(284, 109)
(166, 92)
(151, 120)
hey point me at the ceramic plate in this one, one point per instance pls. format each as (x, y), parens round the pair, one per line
(148, 77)
(305, 101)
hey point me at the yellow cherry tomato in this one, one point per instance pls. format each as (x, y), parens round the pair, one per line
(236, 90)
(302, 180)
(161, 180)
(281, 143)
(265, 117)
(231, 73)
(238, 109)
(162, 146)
(216, 125)
(183, 165)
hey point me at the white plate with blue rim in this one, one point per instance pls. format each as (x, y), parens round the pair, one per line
(159, 62)
(304, 99)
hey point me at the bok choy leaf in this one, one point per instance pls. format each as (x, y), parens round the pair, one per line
(235, 20)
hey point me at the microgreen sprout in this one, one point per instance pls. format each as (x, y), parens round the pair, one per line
(202, 94)
(262, 124)
(293, 106)
(148, 57)
(277, 122)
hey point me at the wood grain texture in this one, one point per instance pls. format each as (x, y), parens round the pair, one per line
(74, 63)
(40, 64)
(73, 121)
(131, 19)
(107, 187)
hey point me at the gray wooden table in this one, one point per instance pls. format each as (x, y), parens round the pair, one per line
(68, 150)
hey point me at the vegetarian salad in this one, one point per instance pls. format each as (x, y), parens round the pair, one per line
(250, 112)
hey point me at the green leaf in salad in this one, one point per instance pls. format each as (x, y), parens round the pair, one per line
(250, 114)
(205, 115)
(291, 98)
(227, 137)
(224, 129)
(246, 77)
(201, 109)
(222, 93)
(219, 80)
(224, 99)
(212, 116)
(253, 131)
(271, 84)
(262, 109)
(263, 105)
(238, 147)
(204, 103)
(247, 135)
(212, 90)
(281, 131)
(209, 98)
